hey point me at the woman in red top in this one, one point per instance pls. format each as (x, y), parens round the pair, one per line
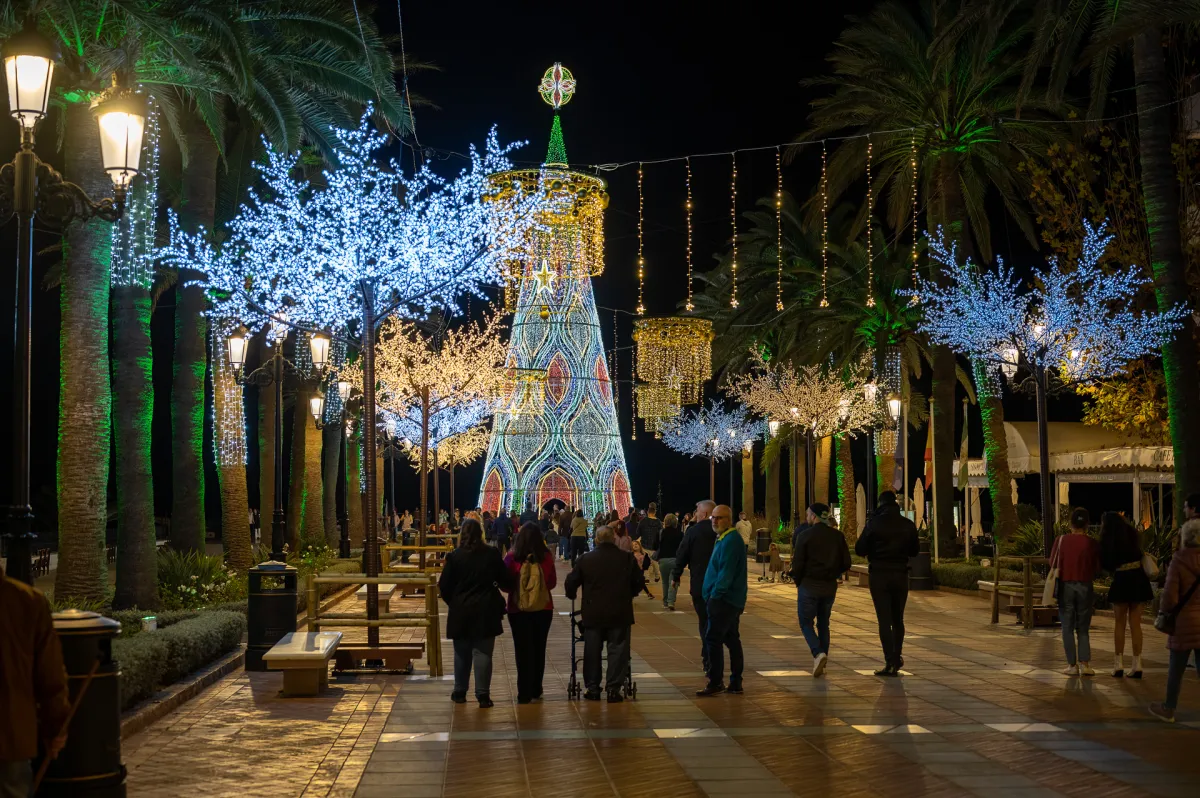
(530, 628)
(1078, 560)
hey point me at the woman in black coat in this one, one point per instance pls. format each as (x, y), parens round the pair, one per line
(470, 585)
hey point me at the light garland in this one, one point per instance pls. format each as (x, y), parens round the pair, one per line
(633, 397)
(675, 347)
(1076, 322)
(641, 261)
(778, 230)
(870, 240)
(913, 163)
(733, 300)
(824, 230)
(712, 431)
(133, 236)
(657, 404)
(229, 417)
(688, 208)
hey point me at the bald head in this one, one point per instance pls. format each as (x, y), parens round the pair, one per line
(704, 509)
(722, 518)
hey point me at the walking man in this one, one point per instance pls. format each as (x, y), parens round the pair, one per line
(648, 531)
(888, 541)
(668, 544)
(819, 559)
(725, 587)
(610, 579)
(694, 553)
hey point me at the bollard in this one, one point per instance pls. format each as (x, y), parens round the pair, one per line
(90, 764)
(271, 611)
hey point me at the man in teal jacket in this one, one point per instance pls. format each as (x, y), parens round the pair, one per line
(725, 586)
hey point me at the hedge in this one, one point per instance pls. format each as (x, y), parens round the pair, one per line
(155, 659)
(131, 620)
(965, 576)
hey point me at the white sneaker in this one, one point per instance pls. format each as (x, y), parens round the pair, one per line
(819, 665)
(1070, 670)
(1085, 669)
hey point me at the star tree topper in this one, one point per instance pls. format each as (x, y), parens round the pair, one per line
(557, 86)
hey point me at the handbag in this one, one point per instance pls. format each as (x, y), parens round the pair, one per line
(1150, 566)
(1165, 621)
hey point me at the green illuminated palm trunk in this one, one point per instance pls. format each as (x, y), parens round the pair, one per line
(85, 398)
(230, 446)
(846, 488)
(771, 499)
(995, 443)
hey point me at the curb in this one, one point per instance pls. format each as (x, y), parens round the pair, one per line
(173, 696)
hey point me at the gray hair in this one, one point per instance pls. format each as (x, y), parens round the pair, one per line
(1189, 533)
(605, 534)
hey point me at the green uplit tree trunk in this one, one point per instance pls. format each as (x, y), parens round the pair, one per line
(995, 443)
(230, 445)
(846, 487)
(821, 478)
(85, 398)
(748, 482)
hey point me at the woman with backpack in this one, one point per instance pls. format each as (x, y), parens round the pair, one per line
(530, 567)
(470, 585)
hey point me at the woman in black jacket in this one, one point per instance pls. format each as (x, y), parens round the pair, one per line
(470, 585)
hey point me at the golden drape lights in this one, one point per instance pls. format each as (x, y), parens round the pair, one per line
(870, 212)
(824, 230)
(733, 300)
(641, 307)
(778, 230)
(688, 208)
(675, 345)
(913, 164)
(522, 392)
(657, 403)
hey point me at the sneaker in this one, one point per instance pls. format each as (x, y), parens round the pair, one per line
(711, 689)
(592, 695)
(1070, 670)
(819, 664)
(485, 702)
(458, 698)
(615, 697)
(735, 690)
(1085, 669)
(1162, 712)
(671, 608)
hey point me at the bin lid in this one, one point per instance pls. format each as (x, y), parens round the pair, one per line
(74, 621)
(272, 565)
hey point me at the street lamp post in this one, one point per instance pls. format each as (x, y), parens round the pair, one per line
(28, 188)
(344, 516)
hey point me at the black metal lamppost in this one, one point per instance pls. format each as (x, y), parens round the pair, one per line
(31, 188)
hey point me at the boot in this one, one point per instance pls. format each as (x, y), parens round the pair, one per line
(1118, 665)
(1136, 671)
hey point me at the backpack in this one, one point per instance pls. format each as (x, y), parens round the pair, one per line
(533, 594)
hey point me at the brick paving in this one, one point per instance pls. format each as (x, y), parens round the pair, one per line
(983, 713)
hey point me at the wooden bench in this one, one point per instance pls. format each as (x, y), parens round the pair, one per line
(385, 596)
(863, 574)
(304, 659)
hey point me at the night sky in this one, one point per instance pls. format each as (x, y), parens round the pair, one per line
(652, 85)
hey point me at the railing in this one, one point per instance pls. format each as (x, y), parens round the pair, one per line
(424, 565)
(429, 619)
(1026, 587)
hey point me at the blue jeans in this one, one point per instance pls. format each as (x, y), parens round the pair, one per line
(1075, 612)
(1176, 667)
(723, 619)
(564, 546)
(818, 607)
(16, 779)
(666, 566)
(477, 653)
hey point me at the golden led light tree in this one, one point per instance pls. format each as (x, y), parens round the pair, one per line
(458, 450)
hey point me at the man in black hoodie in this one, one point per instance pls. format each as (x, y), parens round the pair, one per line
(694, 552)
(819, 558)
(888, 541)
(648, 531)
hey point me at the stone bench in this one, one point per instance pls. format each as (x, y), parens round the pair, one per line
(385, 596)
(863, 574)
(304, 659)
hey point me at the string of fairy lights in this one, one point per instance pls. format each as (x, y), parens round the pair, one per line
(870, 215)
(824, 228)
(688, 206)
(641, 260)
(913, 164)
(778, 230)
(733, 300)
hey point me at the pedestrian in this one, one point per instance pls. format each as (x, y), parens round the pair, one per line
(668, 544)
(1180, 602)
(562, 532)
(624, 541)
(502, 530)
(775, 562)
(745, 528)
(631, 522)
(35, 705)
(694, 552)
(648, 531)
(579, 537)
(489, 528)
(1121, 555)
(643, 561)
(725, 589)
(532, 576)
(1077, 558)
(888, 541)
(529, 515)
(610, 580)
(470, 585)
(818, 562)
(1191, 508)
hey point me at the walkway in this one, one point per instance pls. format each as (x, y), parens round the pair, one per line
(982, 712)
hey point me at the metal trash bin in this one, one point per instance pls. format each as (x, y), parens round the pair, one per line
(762, 546)
(920, 569)
(90, 764)
(271, 610)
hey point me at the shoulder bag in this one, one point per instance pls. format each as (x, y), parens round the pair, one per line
(1165, 621)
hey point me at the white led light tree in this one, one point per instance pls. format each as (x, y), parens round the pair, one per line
(363, 244)
(811, 401)
(712, 432)
(1076, 324)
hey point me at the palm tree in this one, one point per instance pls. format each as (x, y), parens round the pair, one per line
(948, 84)
(1102, 31)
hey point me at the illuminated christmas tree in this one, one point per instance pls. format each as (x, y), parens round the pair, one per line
(556, 435)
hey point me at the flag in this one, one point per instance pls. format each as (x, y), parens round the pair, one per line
(962, 452)
(929, 456)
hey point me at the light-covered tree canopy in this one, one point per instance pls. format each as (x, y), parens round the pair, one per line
(712, 431)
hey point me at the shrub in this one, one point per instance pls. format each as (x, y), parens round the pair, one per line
(143, 661)
(966, 576)
(131, 620)
(335, 567)
(190, 580)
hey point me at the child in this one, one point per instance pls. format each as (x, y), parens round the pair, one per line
(643, 561)
(776, 566)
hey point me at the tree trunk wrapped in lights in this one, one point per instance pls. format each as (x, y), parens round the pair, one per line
(995, 446)
(230, 447)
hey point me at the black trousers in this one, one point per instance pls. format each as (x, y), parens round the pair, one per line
(616, 638)
(529, 631)
(701, 607)
(889, 593)
(578, 547)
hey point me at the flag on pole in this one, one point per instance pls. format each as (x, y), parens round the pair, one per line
(929, 455)
(962, 452)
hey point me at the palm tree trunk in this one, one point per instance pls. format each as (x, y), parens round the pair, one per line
(995, 443)
(748, 482)
(229, 433)
(312, 521)
(945, 380)
(821, 478)
(771, 471)
(331, 442)
(846, 488)
(295, 497)
(266, 443)
(133, 405)
(354, 494)
(85, 398)
(1160, 191)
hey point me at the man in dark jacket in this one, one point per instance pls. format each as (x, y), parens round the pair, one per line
(888, 541)
(694, 553)
(610, 579)
(33, 685)
(502, 530)
(530, 515)
(819, 558)
(648, 531)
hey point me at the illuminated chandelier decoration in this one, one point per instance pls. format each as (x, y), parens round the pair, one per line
(657, 404)
(675, 348)
(555, 434)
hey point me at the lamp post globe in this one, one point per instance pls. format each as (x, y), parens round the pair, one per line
(121, 115)
(343, 389)
(235, 349)
(319, 346)
(29, 67)
(893, 407)
(316, 406)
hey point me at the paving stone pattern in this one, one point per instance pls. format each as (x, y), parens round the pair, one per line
(984, 712)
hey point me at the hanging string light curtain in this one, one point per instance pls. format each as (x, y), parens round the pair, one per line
(870, 240)
(733, 300)
(671, 347)
(778, 230)
(641, 260)
(688, 207)
(913, 164)
(824, 228)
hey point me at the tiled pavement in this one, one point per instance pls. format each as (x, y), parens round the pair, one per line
(984, 712)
